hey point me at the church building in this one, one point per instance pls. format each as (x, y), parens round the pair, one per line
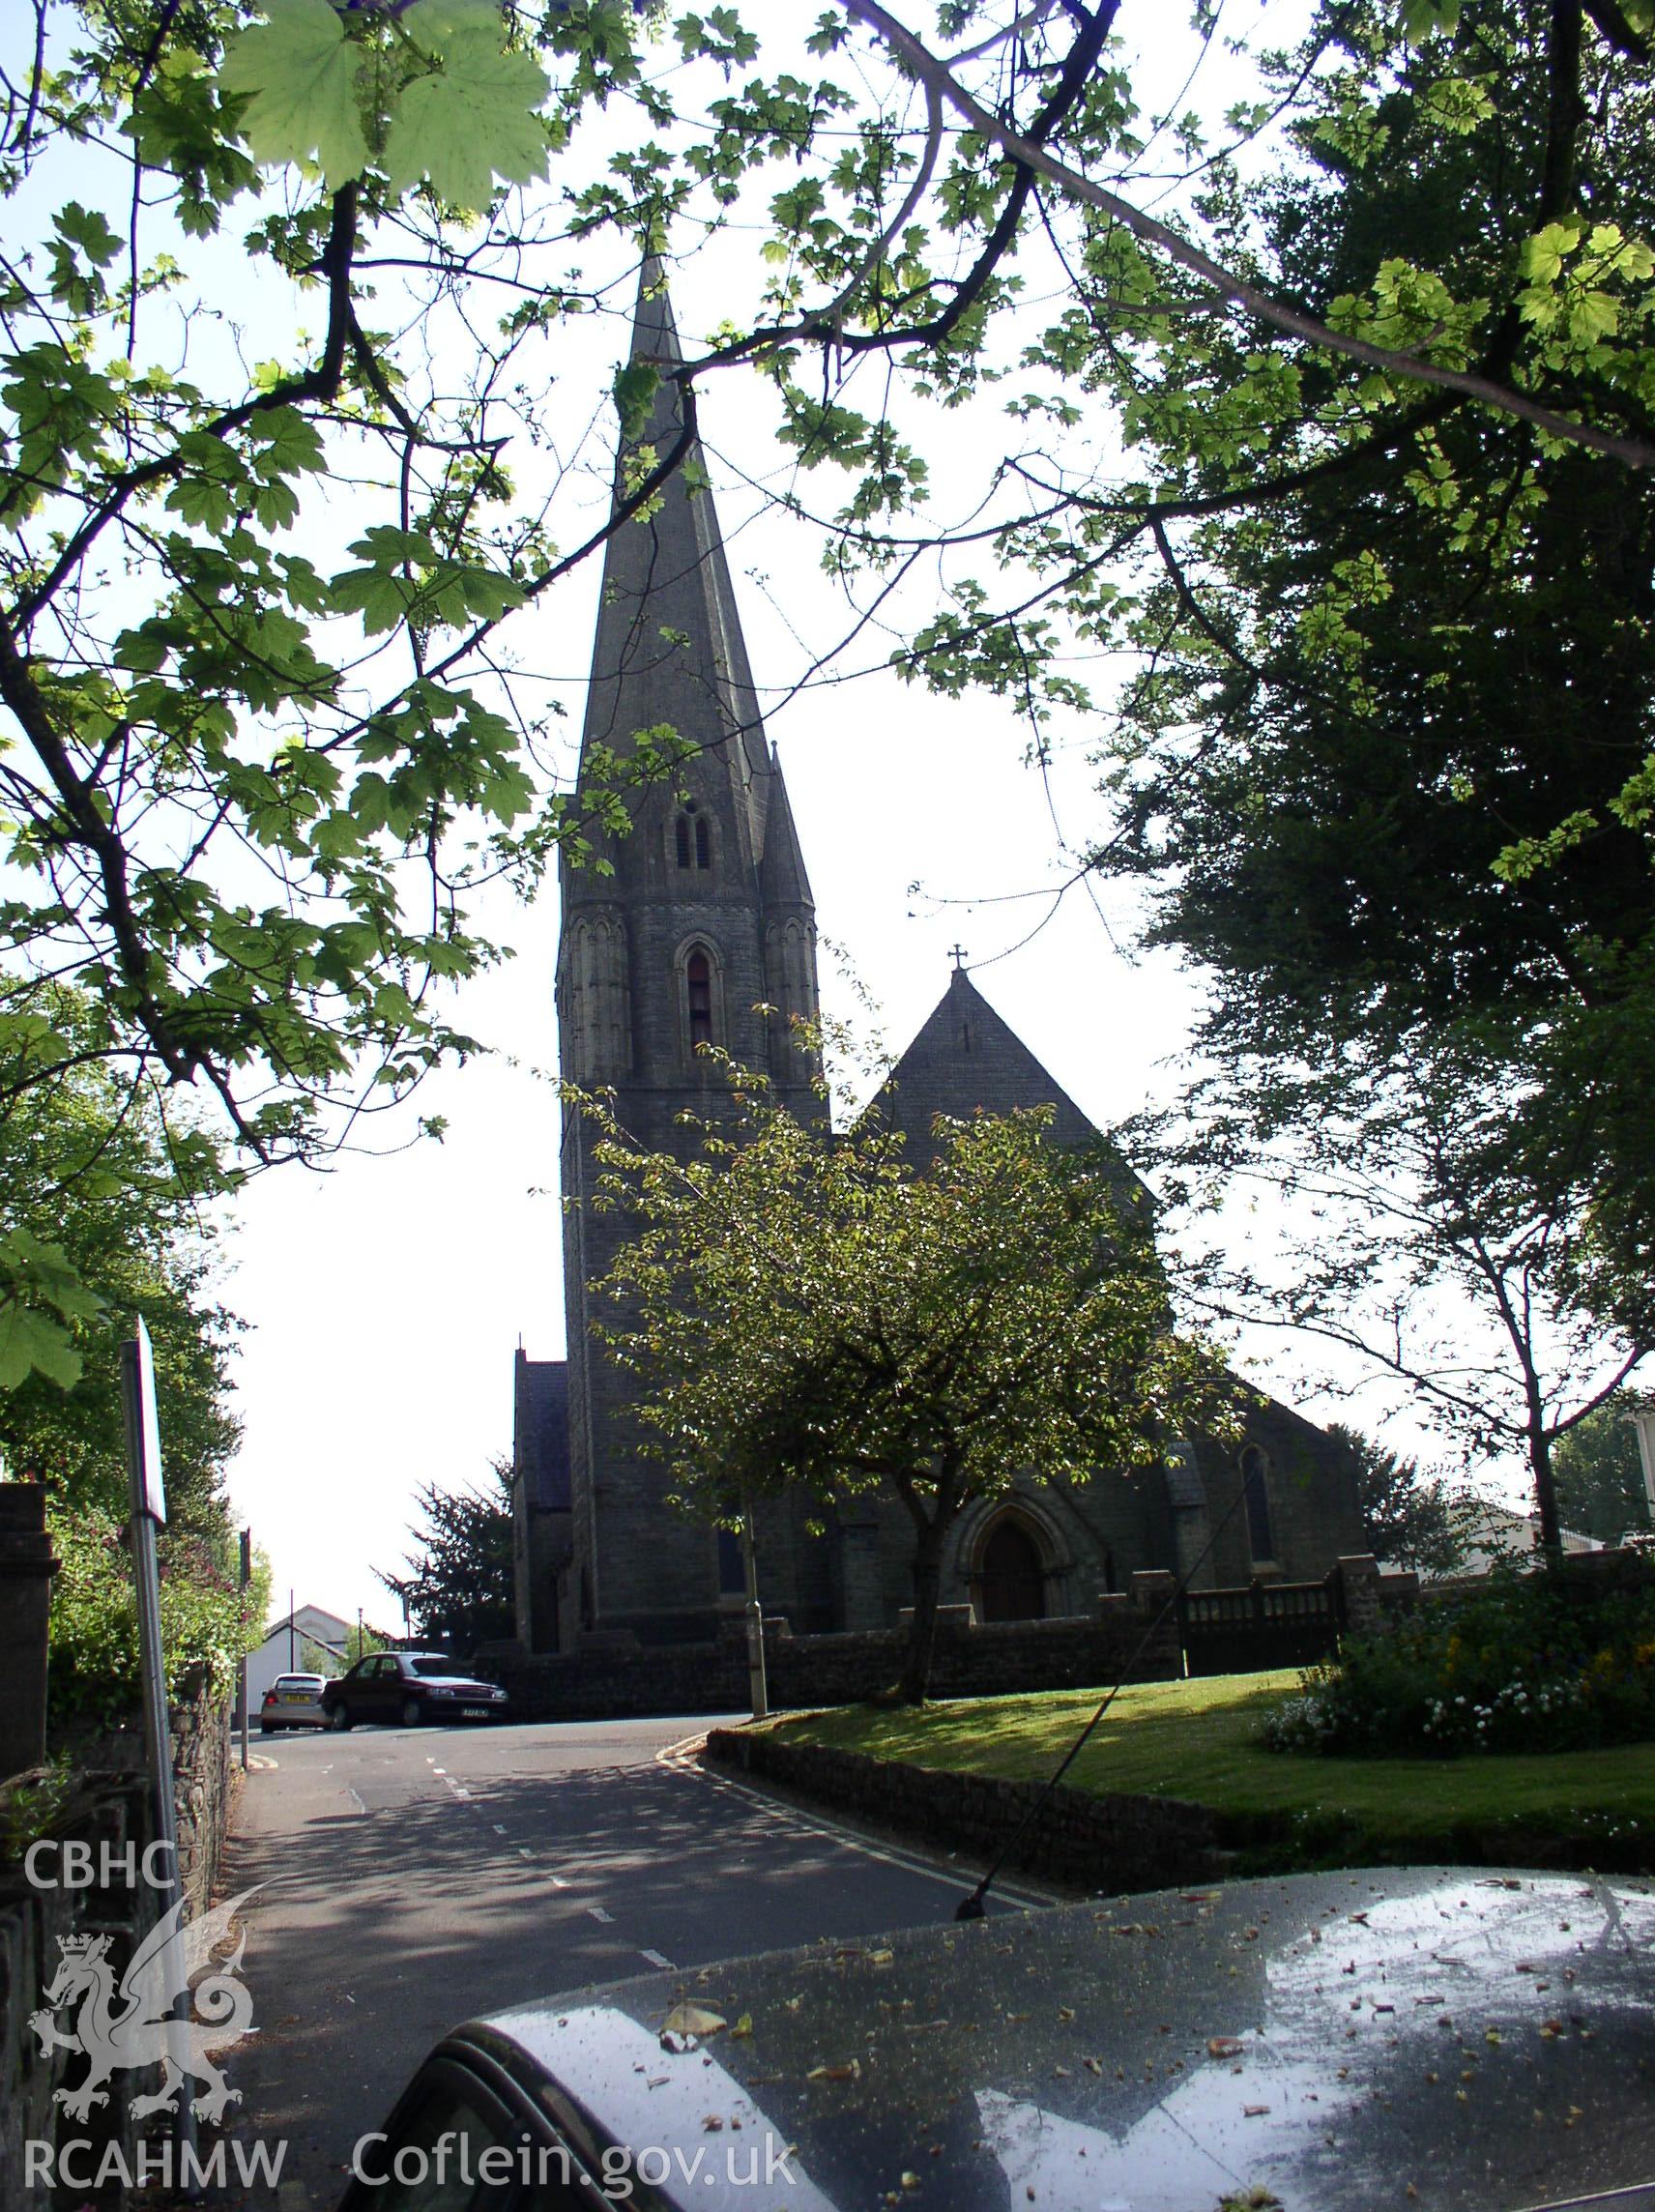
(702, 914)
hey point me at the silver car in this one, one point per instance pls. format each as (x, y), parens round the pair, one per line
(292, 1701)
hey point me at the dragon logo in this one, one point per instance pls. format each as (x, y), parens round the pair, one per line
(140, 2022)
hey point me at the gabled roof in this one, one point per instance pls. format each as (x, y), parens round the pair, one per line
(966, 1061)
(540, 1432)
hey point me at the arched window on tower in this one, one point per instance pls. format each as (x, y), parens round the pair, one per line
(698, 976)
(1261, 1538)
(702, 843)
(681, 839)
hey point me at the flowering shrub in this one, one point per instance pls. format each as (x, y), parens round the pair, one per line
(1517, 1666)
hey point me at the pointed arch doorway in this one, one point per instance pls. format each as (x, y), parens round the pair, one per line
(1010, 1578)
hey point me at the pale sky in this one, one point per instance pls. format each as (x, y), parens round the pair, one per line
(384, 1299)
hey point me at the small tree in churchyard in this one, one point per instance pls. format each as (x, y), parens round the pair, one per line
(805, 1311)
(459, 1588)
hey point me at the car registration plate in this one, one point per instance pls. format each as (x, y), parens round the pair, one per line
(474, 1712)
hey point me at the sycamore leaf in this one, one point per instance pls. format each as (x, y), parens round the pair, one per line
(33, 1341)
(1423, 19)
(476, 116)
(298, 72)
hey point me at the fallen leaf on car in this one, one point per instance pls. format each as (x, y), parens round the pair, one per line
(1223, 2047)
(743, 2027)
(693, 2020)
(1254, 2111)
(851, 2073)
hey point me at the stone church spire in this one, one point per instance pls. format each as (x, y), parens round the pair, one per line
(669, 649)
(697, 930)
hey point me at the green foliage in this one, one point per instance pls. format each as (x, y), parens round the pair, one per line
(1518, 1665)
(803, 1311)
(1600, 1473)
(460, 1590)
(95, 1168)
(31, 1805)
(429, 93)
(206, 1623)
(1409, 1520)
(1395, 837)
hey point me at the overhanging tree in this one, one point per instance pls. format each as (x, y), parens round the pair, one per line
(804, 1312)
(262, 758)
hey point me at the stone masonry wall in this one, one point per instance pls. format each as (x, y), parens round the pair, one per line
(109, 1808)
(605, 1677)
(1110, 1843)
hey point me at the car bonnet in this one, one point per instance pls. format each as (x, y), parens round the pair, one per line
(1468, 2038)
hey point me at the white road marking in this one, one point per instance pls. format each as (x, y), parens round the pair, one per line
(355, 1800)
(656, 1960)
(524, 1853)
(499, 1829)
(678, 1758)
(598, 1914)
(557, 1880)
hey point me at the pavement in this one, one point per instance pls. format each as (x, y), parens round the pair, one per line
(410, 1878)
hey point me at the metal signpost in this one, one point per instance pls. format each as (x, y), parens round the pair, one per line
(148, 1500)
(242, 1670)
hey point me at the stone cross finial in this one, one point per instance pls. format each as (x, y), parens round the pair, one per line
(957, 954)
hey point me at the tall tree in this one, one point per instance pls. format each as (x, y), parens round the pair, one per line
(459, 1588)
(1418, 1234)
(801, 1311)
(1601, 1489)
(1386, 765)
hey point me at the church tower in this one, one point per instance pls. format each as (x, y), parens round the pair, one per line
(672, 935)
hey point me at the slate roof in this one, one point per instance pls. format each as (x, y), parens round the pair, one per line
(539, 1439)
(966, 1061)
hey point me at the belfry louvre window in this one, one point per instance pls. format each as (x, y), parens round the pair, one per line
(681, 839)
(698, 974)
(702, 844)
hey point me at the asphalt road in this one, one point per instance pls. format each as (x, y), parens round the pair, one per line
(413, 1877)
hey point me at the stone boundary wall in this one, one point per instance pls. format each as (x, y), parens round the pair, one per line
(112, 1811)
(1103, 1843)
(607, 1678)
(109, 1807)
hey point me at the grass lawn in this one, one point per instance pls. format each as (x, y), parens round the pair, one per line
(1200, 1740)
